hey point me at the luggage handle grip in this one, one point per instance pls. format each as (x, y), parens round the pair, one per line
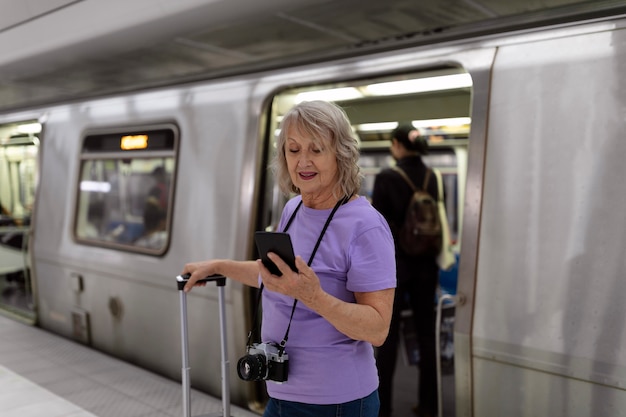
(220, 280)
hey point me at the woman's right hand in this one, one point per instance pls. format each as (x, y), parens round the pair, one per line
(246, 272)
(197, 271)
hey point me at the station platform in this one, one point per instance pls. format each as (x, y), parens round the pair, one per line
(45, 375)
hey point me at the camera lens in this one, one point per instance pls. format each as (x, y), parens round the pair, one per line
(251, 367)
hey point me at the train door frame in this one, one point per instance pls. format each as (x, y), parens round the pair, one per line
(478, 64)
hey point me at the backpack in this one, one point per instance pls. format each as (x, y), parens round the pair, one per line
(420, 234)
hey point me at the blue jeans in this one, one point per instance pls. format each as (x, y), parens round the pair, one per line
(364, 407)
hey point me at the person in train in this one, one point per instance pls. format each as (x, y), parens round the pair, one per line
(417, 275)
(160, 190)
(95, 219)
(6, 219)
(154, 234)
(343, 296)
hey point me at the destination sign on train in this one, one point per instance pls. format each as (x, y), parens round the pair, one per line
(132, 142)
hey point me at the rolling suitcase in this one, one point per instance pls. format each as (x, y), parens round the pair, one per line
(220, 281)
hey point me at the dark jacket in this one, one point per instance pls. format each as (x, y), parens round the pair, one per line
(391, 197)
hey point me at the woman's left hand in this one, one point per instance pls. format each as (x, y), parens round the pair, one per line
(366, 319)
(303, 285)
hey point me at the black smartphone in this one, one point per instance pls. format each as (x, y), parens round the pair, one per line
(280, 244)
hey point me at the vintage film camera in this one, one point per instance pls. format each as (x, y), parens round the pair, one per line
(263, 362)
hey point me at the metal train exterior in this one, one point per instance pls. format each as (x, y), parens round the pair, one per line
(538, 193)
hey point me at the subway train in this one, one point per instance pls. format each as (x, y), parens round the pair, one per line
(527, 128)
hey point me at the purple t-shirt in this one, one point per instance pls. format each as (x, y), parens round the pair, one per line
(356, 255)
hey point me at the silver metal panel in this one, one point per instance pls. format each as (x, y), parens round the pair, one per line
(481, 78)
(513, 391)
(550, 277)
(206, 225)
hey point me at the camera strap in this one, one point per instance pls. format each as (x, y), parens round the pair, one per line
(281, 348)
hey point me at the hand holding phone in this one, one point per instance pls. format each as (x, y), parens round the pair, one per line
(278, 243)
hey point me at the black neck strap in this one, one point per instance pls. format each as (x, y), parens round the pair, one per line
(281, 348)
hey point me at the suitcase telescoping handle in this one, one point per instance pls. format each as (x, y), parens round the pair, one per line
(220, 281)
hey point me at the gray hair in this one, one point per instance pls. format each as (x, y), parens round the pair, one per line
(323, 121)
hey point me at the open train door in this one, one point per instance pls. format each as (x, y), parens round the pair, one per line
(375, 105)
(19, 168)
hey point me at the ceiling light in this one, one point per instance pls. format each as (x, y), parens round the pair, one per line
(29, 128)
(95, 186)
(376, 127)
(452, 121)
(420, 85)
(334, 94)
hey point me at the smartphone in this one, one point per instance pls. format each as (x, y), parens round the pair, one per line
(280, 244)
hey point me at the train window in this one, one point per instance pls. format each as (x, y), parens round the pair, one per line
(18, 168)
(125, 188)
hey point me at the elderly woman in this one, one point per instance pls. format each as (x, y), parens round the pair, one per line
(340, 305)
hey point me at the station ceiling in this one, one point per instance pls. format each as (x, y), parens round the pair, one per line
(61, 50)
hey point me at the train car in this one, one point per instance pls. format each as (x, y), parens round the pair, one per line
(526, 127)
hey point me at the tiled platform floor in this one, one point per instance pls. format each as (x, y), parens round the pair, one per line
(44, 375)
